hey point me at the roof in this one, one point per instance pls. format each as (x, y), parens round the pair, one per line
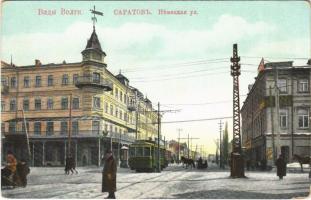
(93, 42)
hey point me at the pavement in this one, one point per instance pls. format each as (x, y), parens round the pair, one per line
(173, 182)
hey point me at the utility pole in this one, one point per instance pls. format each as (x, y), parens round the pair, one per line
(26, 134)
(189, 138)
(272, 125)
(179, 130)
(277, 110)
(220, 146)
(237, 161)
(69, 132)
(159, 123)
(136, 116)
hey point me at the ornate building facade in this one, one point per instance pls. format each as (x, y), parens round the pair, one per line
(71, 108)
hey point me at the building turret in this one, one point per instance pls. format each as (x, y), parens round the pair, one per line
(93, 50)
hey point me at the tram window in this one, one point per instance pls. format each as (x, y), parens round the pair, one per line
(146, 151)
(132, 151)
(139, 151)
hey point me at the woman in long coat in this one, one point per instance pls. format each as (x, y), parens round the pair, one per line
(281, 167)
(109, 175)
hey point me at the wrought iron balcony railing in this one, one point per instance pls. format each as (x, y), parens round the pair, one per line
(131, 107)
(90, 81)
(74, 134)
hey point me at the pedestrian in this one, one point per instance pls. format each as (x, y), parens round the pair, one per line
(281, 167)
(11, 163)
(109, 178)
(22, 170)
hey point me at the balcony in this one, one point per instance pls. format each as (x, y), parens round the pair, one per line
(131, 107)
(4, 89)
(90, 81)
(21, 135)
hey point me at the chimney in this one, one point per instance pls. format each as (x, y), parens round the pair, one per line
(309, 62)
(37, 63)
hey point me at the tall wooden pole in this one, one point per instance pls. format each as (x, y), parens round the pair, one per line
(69, 131)
(159, 123)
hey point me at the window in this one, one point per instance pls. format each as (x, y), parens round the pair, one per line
(3, 80)
(26, 104)
(96, 77)
(303, 118)
(106, 127)
(110, 128)
(38, 104)
(303, 85)
(75, 103)
(117, 93)
(124, 98)
(75, 128)
(116, 114)
(111, 109)
(65, 80)
(38, 81)
(26, 81)
(12, 105)
(111, 92)
(50, 80)
(13, 82)
(37, 128)
(283, 118)
(63, 128)
(96, 102)
(49, 128)
(12, 127)
(2, 127)
(139, 151)
(282, 85)
(146, 151)
(115, 129)
(49, 103)
(125, 117)
(106, 107)
(23, 126)
(121, 95)
(120, 114)
(75, 78)
(2, 106)
(95, 127)
(132, 151)
(64, 103)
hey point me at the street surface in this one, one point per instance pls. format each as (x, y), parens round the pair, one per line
(173, 182)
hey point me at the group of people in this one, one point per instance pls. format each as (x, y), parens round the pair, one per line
(15, 172)
(70, 165)
(202, 165)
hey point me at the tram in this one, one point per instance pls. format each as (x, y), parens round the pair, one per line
(143, 156)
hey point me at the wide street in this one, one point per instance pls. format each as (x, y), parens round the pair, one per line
(173, 182)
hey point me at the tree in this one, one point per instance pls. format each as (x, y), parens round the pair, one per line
(225, 144)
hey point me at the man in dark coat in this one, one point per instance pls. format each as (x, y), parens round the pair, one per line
(22, 171)
(109, 175)
(281, 167)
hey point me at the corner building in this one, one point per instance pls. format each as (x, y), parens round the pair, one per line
(260, 128)
(104, 110)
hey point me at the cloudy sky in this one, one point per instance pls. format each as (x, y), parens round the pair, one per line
(181, 61)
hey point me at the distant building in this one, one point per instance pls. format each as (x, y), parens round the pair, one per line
(105, 109)
(294, 113)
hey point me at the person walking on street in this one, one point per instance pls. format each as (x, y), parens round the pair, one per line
(109, 178)
(281, 167)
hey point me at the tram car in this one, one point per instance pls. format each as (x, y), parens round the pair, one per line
(143, 156)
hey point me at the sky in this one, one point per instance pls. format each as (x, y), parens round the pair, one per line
(181, 61)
